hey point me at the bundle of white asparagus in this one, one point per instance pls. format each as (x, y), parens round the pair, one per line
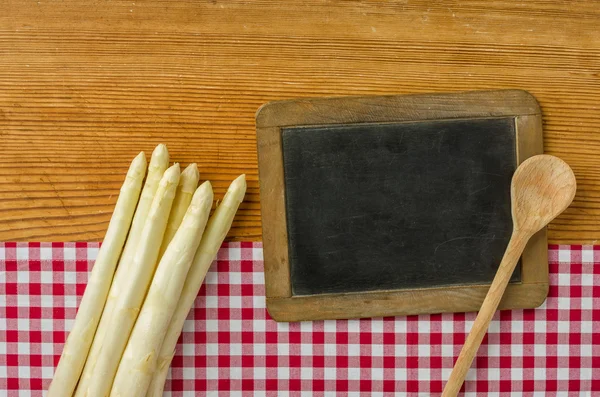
(157, 250)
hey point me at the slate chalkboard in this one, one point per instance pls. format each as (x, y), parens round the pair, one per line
(401, 205)
(390, 205)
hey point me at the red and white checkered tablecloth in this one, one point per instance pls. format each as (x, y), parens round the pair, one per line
(230, 346)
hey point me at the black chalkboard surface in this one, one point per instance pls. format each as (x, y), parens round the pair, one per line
(398, 205)
(392, 205)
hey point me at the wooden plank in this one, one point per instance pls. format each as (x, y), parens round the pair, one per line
(83, 86)
(400, 302)
(276, 256)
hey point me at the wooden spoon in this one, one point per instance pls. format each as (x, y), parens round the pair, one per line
(542, 187)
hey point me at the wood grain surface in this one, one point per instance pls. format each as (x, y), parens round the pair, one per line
(86, 85)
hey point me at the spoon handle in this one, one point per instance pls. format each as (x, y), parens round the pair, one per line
(511, 256)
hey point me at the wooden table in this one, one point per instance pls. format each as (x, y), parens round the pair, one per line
(86, 85)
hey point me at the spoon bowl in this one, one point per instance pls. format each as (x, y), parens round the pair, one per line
(542, 187)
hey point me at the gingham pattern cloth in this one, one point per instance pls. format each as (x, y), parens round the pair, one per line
(231, 347)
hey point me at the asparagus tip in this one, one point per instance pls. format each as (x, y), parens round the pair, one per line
(192, 171)
(160, 152)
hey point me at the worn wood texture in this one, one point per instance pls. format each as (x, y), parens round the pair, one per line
(85, 85)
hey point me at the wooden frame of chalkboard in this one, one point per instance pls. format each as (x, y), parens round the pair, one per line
(271, 118)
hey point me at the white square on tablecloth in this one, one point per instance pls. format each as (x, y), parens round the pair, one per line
(258, 302)
(235, 325)
(353, 373)
(376, 350)
(212, 349)
(539, 326)
(70, 301)
(400, 326)
(306, 373)
(4, 372)
(562, 374)
(493, 374)
(70, 278)
(564, 303)
(46, 253)
(23, 300)
(235, 278)
(92, 253)
(586, 350)
(400, 374)
(189, 373)
(23, 277)
(211, 325)
(329, 373)
(235, 373)
(424, 350)
(211, 302)
(516, 326)
(585, 373)
(587, 303)
(283, 373)
(23, 348)
(539, 350)
(212, 373)
(353, 350)
(516, 350)
(564, 256)
(587, 255)
(563, 350)
(260, 349)
(47, 325)
(401, 350)
(22, 253)
(283, 349)
(235, 254)
(353, 325)
(69, 253)
(23, 324)
(69, 324)
(235, 302)
(257, 254)
(306, 349)
(24, 372)
(235, 349)
(424, 374)
(258, 278)
(376, 374)
(45, 278)
(330, 350)
(563, 327)
(47, 372)
(424, 326)
(188, 350)
(2, 253)
(260, 373)
(47, 349)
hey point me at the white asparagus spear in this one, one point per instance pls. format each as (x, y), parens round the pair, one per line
(135, 286)
(139, 359)
(80, 338)
(158, 164)
(216, 230)
(187, 185)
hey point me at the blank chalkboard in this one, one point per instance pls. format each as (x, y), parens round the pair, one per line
(391, 205)
(399, 205)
